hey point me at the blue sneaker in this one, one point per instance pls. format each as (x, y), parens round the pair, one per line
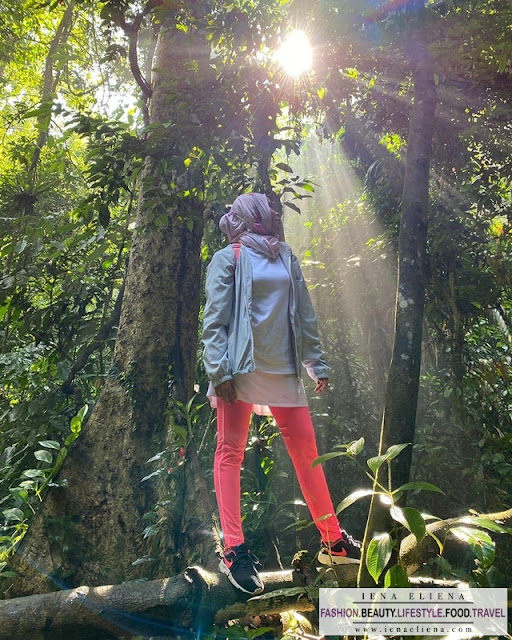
(239, 565)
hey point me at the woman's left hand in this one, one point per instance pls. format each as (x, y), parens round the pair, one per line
(321, 385)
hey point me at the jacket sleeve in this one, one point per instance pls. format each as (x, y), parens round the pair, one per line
(313, 357)
(220, 286)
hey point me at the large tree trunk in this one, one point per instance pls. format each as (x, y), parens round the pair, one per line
(91, 531)
(399, 420)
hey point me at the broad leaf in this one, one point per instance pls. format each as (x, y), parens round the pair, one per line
(376, 462)
(415, 523)
(378, 555)
(480, 542)
(356, 495)
(43, 455)
(411, 519)
(33, 473)
(396, 578)
(13, 514)
(49, 444)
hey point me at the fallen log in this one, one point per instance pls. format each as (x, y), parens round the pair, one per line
(168, 607)
(179, 606)
(414, 554)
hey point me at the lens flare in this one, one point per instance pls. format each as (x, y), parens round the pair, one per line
(295, 54)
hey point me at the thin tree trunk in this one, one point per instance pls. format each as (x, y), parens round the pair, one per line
(399, 420)
(50, 82)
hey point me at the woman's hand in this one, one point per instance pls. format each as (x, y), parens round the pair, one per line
(321, 385)
(226, 391)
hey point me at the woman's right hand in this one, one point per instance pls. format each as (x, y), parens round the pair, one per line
(226, 391)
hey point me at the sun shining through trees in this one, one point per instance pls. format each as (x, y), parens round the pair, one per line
(342, 242)
(295, 54)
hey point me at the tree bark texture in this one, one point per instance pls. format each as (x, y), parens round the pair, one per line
(91, 531)
(399, 419)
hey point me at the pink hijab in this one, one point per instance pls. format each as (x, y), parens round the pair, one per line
(252, 222)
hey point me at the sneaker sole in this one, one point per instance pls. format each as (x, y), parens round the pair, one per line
(332, 560)
(223, 568)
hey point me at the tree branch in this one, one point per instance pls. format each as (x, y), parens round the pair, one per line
(132, 31)
(414, 554)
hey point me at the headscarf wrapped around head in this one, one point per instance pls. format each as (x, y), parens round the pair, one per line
(252, 222)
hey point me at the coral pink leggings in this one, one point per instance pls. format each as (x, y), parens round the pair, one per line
(299, 437)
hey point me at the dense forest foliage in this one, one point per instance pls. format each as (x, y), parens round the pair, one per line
(127, 127)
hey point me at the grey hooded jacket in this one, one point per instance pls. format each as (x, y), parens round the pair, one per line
(227, 334)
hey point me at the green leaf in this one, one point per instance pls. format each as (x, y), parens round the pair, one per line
(378, 555)
(156, 473)
(321, 92)
(411, 486)
(376, 462)
(480, 542)
(411, 519)
(396, 578)
(43, 455)
(20, 246)
(292, 206)
(33, 473)
(13, 514)
(395, 450)
(306, 186)
(62, 370)
(434, 537)
(328, 456)
(83, 411)
(8, 574)
(486, 524)
(284, 167)
(355, 448)
(76, 422)
(76, 425)
(350, 499)
(49, 444)
(157, 456)
(256, 633)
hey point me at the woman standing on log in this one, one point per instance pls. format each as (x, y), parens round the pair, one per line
(259, 326)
